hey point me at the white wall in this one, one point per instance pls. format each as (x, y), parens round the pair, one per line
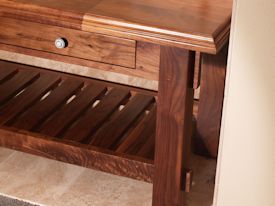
(246, 168)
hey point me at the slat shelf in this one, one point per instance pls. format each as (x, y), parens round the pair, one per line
(77, 120)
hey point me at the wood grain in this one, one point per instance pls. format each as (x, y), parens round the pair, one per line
(174, 125)
(147, 59)
(123, 75)
(197, 70)
(62, 73)
(16, 84)
(141, 140)
(96, 116)
(28, 97)
(81, 44)
(211, 103)
(177, 23)
(61, 120)
(5, 74)
(73, 153)
(48, 12)
(40, 111)
(121, 33)
(113, 131)
(200, 25)
(71, 109)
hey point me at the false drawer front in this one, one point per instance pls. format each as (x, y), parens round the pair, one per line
(85, 45)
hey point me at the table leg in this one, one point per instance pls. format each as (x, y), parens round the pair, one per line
(210, 104)
(174, 125)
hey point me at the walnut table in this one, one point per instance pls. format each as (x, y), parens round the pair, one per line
(116, 127)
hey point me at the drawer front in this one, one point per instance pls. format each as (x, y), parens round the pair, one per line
(80, 44)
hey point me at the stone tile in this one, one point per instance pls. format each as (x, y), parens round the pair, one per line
(36, 179)
(95, 188)
(52, 183)
(203, 181)
(5, 153)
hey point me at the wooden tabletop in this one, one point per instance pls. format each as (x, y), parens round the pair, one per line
(201, 25)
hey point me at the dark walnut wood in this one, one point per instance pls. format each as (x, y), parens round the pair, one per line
(62, 117)
(78, 154)
(147, 62)
(64, 14)
(6, 74)
(201, 25)
(211, 103)
(84, 45)
(114, 128)
(174, 125)
(77, 120)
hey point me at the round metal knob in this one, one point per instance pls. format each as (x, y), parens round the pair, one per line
(60, 43)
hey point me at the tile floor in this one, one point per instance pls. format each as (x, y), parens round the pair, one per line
(52, 183)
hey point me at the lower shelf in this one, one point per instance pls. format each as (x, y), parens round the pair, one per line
(77, 120)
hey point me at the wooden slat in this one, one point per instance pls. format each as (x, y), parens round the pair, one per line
(33, 93)
(148, 149)
(110, 133)
(69, 113)
(96, 116)
(31, 120)
(6, 73)
(138, 138)
(30, 123)
(83, 155)
(43, 109)
(16, 84)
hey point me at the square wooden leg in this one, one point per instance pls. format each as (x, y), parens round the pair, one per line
(174, 125)
(211, 103)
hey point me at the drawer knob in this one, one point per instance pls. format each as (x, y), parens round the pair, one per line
(61, 43)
